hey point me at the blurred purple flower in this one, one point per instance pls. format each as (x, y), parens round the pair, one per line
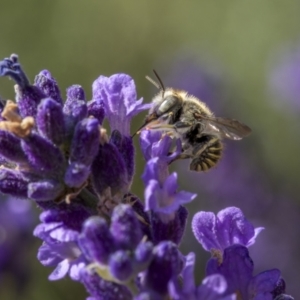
(101, 289)
(166, 264)
(228, 227)
(227, 236)
(113, 248)
(118, 253)
(284, 78)
(213, 287)
(60, 229)
(237, 268)
(16, 224)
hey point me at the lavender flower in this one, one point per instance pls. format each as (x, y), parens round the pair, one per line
(168, 216)
(227, 236)
(60, 229)
(119, 254)
(113, 247)
(101, 289)
(213, 287)
(228, 227)
(119, 97)
(93, 228)
(16, 224)
(237, 268)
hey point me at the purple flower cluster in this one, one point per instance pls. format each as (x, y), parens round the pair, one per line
(16, 224)
(283, 78)
(93, 228)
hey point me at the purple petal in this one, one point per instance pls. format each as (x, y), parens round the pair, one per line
(28, 97)
(282, 297)
(203, 226)
(96, 109)
(185, 289)
(75, 269)
(264, 283)
(229, 227)
(165, 265)
(257, 231)
(153, 145)
(75, 105)
(162, 147)
(64, 235)
(46, 83)
(188, 272)
(71, 216)
(233, 228)
(166, 199)
(125, 227)
(121, 265)
(126, 148)
(11, 67)
(28, 100)
(138, 107)
(143, 253)
(85, 142)
(237, 268)
(60, 271)
(50, 121)
(170, 184)
(109, 170)
(147, 139)
(151, 191)
(169, 228)
(96, 241)
(175, 199)
(184, 197)
(149, 295)
(47, 256)
(152, 171)
(76, 174)
(42, 230)
(44, 190)
(74, 92)
(10, 147)
(118, 94)
(212, 288)
(43, 156)
(14, 183)
(139, 209)
(101, 289)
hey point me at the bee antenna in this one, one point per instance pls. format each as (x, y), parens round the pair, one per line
(159, 80)
(153, 82)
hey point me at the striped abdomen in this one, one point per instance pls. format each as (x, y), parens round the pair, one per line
(207, 156)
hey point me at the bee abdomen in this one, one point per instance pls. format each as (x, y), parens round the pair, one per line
(208, 158)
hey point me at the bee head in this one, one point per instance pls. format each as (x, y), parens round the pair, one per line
(170, 104)
(166, 104)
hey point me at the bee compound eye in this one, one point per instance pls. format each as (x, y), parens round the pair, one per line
(169, 103)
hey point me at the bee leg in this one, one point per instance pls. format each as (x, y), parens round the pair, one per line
(181, 156)
(182, 125)
(186, 153)
(169, 133)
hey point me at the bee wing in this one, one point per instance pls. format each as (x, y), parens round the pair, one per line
(226, 128)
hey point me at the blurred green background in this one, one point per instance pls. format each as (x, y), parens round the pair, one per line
(80, 40)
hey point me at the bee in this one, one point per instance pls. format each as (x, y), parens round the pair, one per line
(183, 116)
